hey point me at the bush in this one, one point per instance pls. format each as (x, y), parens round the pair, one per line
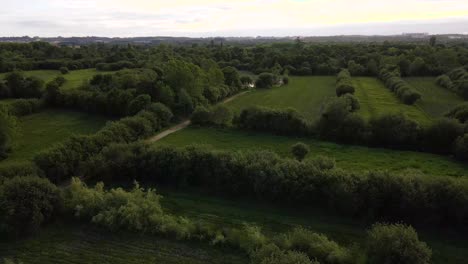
(64, 70)
(344, 84)
(316, 246)
(300, 150)
(163, 113)
(395, 130)
(285, 80)
(459, 112)
(396, 244)
(140, 102)
(24, 87)
(282, 122)
(265, 80)
(22, 107)
(461, 148)
(201, 116)
(440, 136)
(26, 203)
(401, 88)
(7, 126)
(272, 254)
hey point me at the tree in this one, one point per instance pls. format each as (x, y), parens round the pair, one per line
(231, 77)
(221, 115)
(26, 203)
(440, 136)
(6, 133)
(64, 70)
(300, 150)
(201, 116)
(265, 80)
(398, 243)
(432, 41)
(139, 103)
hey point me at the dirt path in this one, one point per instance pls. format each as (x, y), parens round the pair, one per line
(185, 123)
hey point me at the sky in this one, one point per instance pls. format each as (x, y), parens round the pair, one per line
(207, 18)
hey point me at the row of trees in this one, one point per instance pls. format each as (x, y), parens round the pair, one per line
(27, 203)
(401, 88)
(263, 175)
(344, 84)
(456, 81)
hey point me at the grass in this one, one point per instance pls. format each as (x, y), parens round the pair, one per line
(78, 243)
(355, 158)
(376, 99)
(74, 78)
(39, 131)
(436, 101)
(448, 247)
(306, 94)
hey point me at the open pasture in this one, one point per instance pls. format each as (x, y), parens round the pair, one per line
(306, 94)
(436, 101)
(376, 99)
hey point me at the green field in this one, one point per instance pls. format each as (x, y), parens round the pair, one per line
(376, 99)
(355, 158)
(306, 94)
(436, 101)
(41, 130)
(74, 78)
(447, 247)
(78, 243)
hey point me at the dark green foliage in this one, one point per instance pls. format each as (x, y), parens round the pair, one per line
(401, 88)
(219, 115)
(459, 112)
(246, 80)
(440, 136)
(281, 122)
(163, 113)
(263, 175)
(316, 246)
(64, 70)
(455, 80)
(344, 84)
(352, 102)
(201, 116)
(444, 81)
(285, 80)
(461, 148)
(395, 130)
(300, 150)
(6, 132)
(231, 77)
(398, 243)
(19, 86)
(22, 107)
(265, 80)
(66, 159)
(26, 203)
(272, 254)
(140, 102)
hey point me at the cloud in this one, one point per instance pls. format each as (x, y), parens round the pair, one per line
(204, 17)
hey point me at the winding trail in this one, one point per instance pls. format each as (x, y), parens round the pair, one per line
(185, 123)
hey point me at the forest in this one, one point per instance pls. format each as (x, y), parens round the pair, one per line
(235, 152)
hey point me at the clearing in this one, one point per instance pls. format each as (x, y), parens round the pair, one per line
(306, 94)
(376, 99)
(436, 101)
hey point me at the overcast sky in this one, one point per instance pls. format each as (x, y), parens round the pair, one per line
(195, 18)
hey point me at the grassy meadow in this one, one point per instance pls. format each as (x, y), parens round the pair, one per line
(306, 94)
(77, 243)
(355, 158)
(376, 99)
(436, 101)
(74, 78)
(39, 131)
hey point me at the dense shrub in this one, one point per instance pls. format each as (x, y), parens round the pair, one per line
(401, 88)
(265, 80)
(440, 136)
(300, 150)
(22, 107)
(26, 203)
(459, 112)
(64, 70)
(444, 81)
(316, 246)
(459, 81)
(344, 84)
(65, 160)
(461, 148)
(263, 175)
(7, 126)
(395, 130)
(388, 244)
(272, 254)
(281, 122)
(20, 86)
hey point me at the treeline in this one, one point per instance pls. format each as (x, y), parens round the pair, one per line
(374, 196)
(456, 81)
(344, 84)
(28, 203)
(401, 88)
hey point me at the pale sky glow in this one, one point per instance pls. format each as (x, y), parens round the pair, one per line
(230, 18)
